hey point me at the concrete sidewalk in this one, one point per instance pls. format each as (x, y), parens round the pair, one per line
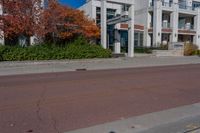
(184, 119)
(26, 67)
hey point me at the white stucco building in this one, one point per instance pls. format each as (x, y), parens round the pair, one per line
(116, 19)
(169, 21)
(155, 22)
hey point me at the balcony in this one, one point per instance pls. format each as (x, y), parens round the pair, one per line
(164, 4)
(167, 4)
(187, 26)
(166, 25)
(185, 7)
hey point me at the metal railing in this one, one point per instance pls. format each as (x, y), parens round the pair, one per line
(166, 25)
(181, 6)
(164, 4)
(167, 4)
(186, 27)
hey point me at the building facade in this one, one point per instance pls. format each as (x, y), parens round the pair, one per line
(116, 19)
(156, 22)
(167, 21)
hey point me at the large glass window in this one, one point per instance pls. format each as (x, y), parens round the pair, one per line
(141, 39)
(195, 4)
(110, 14)
(138, 39)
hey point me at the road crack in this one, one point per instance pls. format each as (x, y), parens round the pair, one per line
(55, 125)
(38, 104)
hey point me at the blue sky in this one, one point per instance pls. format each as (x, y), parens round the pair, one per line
(72, 3)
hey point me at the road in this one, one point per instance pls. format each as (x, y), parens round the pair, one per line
(59, 102)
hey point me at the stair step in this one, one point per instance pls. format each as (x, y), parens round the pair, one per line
(168, 53)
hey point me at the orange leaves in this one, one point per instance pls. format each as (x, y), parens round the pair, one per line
(27, 17)
(68, 23)
(21, 17)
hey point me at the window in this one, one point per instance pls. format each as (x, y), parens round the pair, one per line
(110, 14)
(195, 4)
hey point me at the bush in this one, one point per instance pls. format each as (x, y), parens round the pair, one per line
(143, 50)
(196, 52)
(148, 50)
(86, 51)
(76, 50)
(189, 49)
(2, 50)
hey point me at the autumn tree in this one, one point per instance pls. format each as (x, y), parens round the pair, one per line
(21, 17)
(28, 18)
(66, 23)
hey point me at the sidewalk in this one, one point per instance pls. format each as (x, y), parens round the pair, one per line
(26, 67)
(184, 119)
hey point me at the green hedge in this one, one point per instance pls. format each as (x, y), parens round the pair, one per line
(196, 52)
(49, 52)
(148, 50)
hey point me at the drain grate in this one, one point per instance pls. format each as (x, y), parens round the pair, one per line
(81, 69)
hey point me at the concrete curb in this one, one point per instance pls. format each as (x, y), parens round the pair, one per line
(143, 123)
(29, 67)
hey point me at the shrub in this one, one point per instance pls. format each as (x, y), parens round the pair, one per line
(196, 52)
(148, 50)
(189, 49)
(76, 50)
(2, 50)
(143, 50)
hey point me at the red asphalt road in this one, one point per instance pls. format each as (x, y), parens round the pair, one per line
(58, 102)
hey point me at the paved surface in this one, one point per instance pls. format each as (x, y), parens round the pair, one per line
(185, 119)
(24, 67)
(59, 102)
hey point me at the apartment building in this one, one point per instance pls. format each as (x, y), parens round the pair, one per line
(156, 22)
(116, 19)
(168, 21)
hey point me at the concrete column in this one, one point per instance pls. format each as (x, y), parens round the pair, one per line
(157, 23)
(146, 37)
(104, 24)
(197, 27)
(2, 40)
(174, 22)
(131, 32)
(34, 40)
(93, 10)
(117, 47)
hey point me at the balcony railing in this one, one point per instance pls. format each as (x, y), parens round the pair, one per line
(164, 4)
(181, 6)
(186, 27)
(166, 25)
(167, 4)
